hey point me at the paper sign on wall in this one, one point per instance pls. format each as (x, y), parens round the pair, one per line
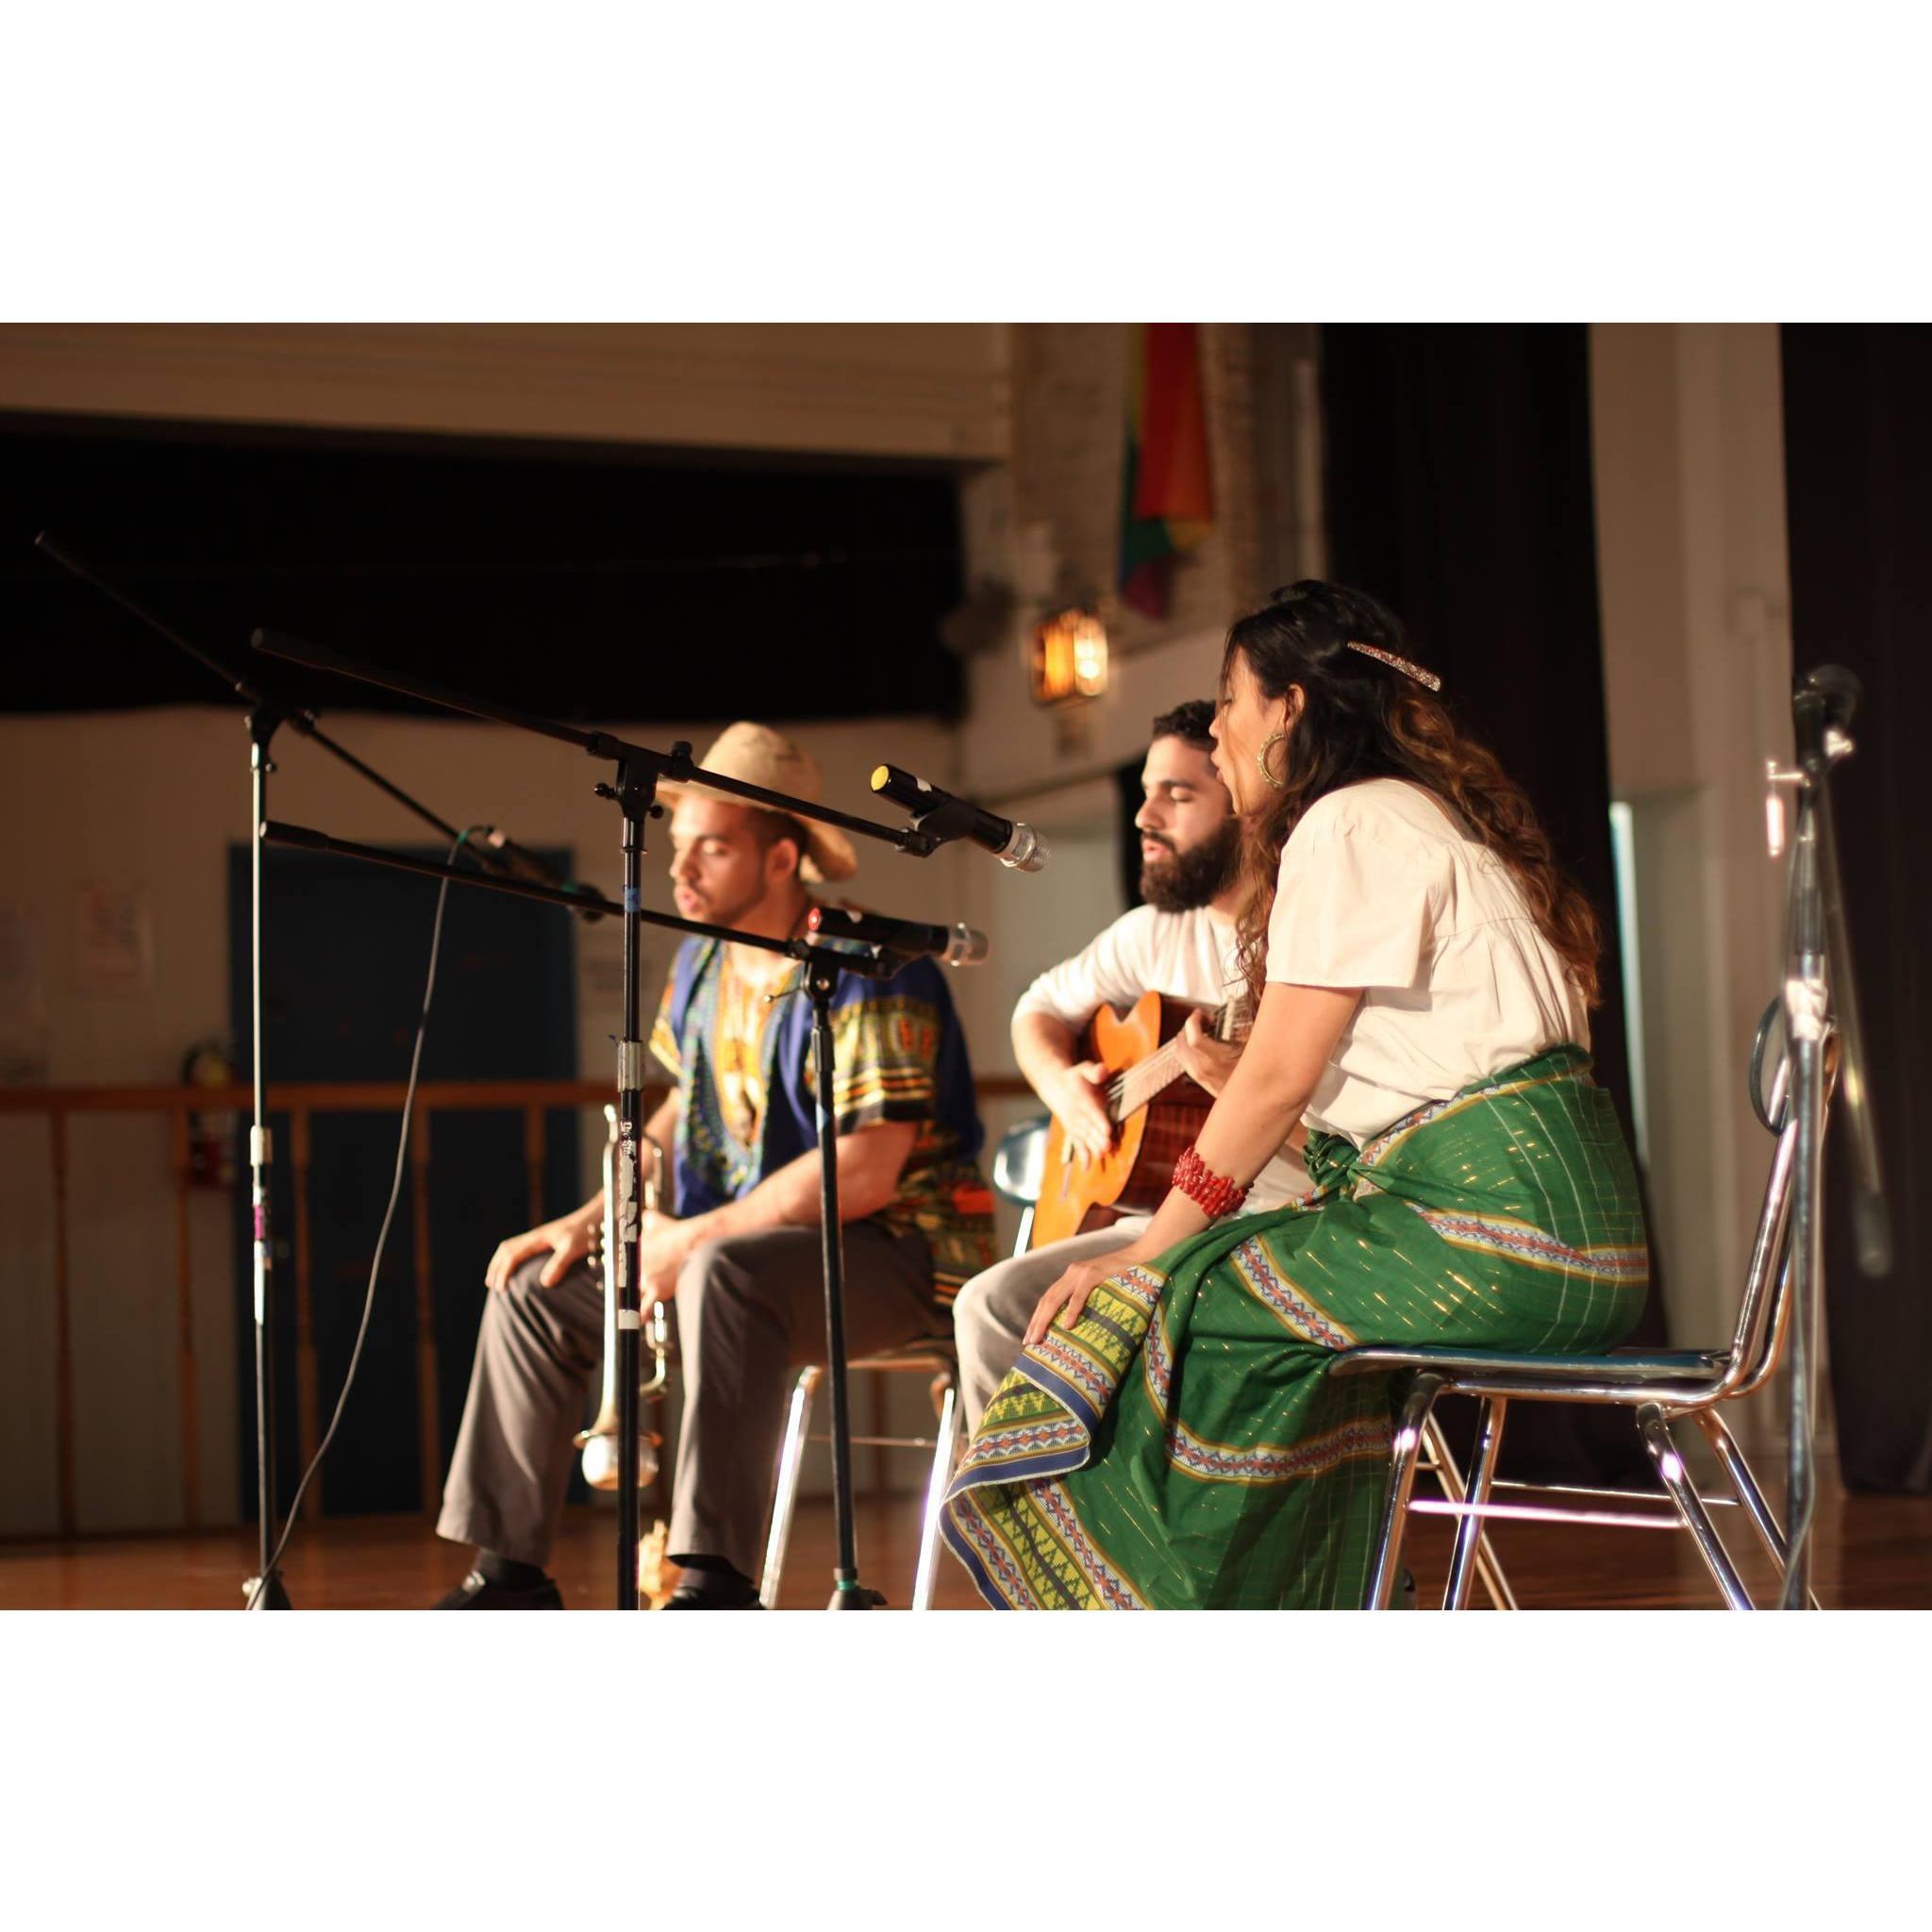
(114, 940)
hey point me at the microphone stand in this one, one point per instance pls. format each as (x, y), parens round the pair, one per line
(1820, 1007)
(638, 771)
(848, 1593)
(264, 1590)
(267, 712)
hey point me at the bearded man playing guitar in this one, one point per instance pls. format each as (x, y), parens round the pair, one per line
(1180, 945)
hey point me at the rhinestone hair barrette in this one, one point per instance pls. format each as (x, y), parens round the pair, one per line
(1428, 679)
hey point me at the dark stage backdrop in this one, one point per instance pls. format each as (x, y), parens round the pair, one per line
(1458, 467)
(1859, 495)
(578, 582)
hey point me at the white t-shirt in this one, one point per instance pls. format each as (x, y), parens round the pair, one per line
(1182, 955)
(1381, 886)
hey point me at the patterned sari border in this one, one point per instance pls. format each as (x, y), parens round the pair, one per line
(1575, 1063)
(990, 1587)
(1101, 1575)
(1302, 1317)
(1275, 1462)
(1518, 1241)
(1070, 1376)
(1054, 1459)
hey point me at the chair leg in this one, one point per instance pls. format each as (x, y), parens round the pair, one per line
(1469, 1528)
(946, 1441)
(1489, 1566)
(1402, 1461)
(1677, 1479)
(785, 1498)
(1745, 1486)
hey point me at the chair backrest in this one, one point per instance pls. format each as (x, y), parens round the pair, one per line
(1760, 1312)
(1759, 1337)
(1018, 1168)
(1019, 1163)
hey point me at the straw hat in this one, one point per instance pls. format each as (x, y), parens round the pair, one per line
(757, 754)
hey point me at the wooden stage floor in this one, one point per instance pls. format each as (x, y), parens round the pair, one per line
(1870, 1552)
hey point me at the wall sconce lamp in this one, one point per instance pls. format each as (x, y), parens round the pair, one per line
(1069, 657)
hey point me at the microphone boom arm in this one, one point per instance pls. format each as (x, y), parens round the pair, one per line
(675, 765)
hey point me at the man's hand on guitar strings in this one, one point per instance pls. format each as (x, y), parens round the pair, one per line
(1078, 1102)
(1208, 1060)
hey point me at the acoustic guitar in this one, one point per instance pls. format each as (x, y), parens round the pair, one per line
(1158, 1110)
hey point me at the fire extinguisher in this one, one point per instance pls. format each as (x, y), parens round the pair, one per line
(211, 1136)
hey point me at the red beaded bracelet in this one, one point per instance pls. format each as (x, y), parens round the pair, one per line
(1213, 1193)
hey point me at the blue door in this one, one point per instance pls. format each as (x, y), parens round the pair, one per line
(347, 953)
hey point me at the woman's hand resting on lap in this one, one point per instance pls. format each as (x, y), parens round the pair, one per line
(1072, 1290)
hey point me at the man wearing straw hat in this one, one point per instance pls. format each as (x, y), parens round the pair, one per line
(739, 1257)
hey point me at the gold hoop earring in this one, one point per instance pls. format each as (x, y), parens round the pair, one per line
(1261, 761)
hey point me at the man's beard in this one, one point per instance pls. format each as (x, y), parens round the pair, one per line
(1193, 878)
(729, 911)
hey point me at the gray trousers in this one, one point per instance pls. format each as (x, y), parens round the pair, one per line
(989, 1317)
(750, 1313)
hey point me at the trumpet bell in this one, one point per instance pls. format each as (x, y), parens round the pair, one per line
(600, 1461)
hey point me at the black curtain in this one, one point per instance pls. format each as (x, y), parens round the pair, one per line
(1458, 465)
(573, 581)
(1859, 497)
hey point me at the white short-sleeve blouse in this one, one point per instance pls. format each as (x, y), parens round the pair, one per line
(1382, 887)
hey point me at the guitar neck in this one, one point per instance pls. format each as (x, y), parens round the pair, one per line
(1132, 1087)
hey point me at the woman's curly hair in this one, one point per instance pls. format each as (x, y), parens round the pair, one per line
(1362, 719)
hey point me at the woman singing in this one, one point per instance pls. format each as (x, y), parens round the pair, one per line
(1419, 973)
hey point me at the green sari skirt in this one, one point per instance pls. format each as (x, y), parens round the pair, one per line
(1184, 1445)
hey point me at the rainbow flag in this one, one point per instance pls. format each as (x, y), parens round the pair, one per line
(1167, 503)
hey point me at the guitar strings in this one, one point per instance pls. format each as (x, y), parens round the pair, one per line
(1132, 1087)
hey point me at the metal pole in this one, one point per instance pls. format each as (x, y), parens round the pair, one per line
(848, 1593)
(265, 1591)
(1807, 1020)
(634, 792)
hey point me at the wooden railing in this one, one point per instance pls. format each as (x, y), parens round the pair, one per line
(298, 1106)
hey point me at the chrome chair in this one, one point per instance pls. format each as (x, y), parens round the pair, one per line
(1019, 1166)
(1660, 1387)
(932, 1355)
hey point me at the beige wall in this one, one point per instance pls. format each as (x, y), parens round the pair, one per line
(1045, 529)
(1688, 423)
(927, 390)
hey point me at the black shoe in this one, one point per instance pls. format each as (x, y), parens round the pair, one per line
(477, 1592)
(736, 1594)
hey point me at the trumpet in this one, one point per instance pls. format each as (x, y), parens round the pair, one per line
(599, 1441)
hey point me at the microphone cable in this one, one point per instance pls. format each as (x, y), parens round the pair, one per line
(382, 1237)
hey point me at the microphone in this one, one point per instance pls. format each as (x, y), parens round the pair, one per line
(1823, 700)
(952, 946)
(940, 813)
(1832, 689)
(512, 859)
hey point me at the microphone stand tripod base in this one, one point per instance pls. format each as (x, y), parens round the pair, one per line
(855, 1597)
(273, 1598)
